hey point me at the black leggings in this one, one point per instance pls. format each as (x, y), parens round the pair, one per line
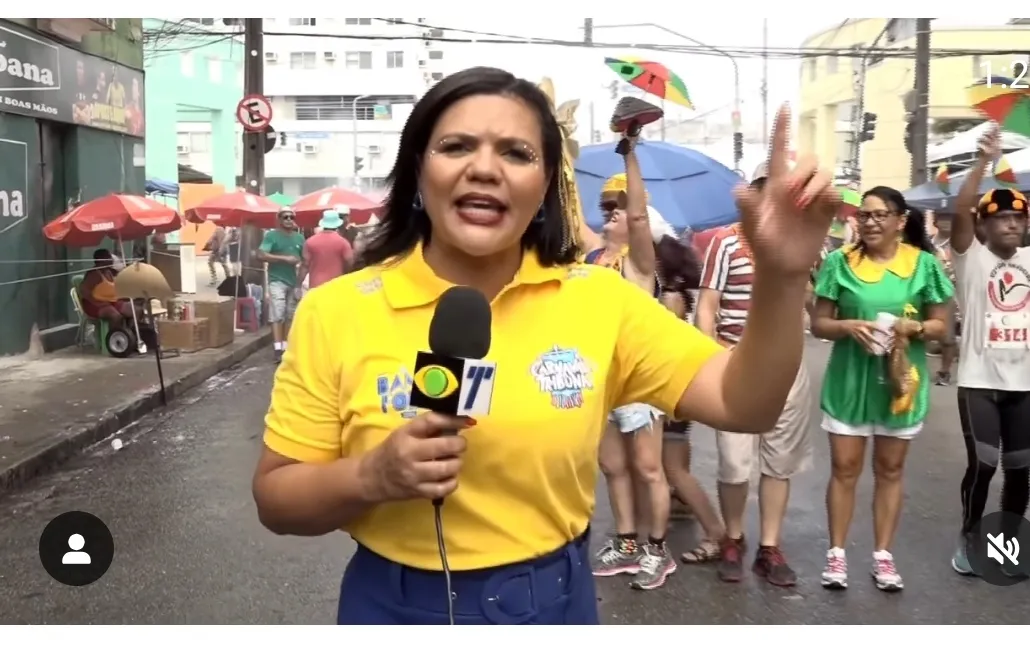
(996, 428)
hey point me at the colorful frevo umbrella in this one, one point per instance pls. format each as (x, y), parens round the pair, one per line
(995, 98)
(850, 201)
(943, 179)
(1004, 174)
(652, 77)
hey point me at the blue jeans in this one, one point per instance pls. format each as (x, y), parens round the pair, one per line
(554, 589)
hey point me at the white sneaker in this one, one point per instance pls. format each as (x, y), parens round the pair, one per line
(835, 574)
(885, 574)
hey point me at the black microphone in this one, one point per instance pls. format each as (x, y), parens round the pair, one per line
(453, 379)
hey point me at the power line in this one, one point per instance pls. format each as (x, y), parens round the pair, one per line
(782, 53)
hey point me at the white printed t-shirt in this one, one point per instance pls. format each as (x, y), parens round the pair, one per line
(994, 294)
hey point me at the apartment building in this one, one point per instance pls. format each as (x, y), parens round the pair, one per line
(341, 90)
(829, 99)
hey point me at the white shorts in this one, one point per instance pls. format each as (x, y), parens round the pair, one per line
(633, 417)
(837, 427)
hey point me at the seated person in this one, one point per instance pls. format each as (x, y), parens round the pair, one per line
(97, 293)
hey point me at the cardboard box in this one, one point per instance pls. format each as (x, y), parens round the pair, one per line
(184, 335)
(220, 313)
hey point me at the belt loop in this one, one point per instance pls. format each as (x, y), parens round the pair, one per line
(534, 594)
(395, 580)
(575, 558)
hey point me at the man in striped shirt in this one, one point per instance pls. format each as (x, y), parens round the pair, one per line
(723, 305)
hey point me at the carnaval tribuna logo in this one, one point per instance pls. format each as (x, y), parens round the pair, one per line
(564, 375)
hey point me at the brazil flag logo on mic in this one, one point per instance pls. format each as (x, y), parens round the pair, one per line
(436, 383)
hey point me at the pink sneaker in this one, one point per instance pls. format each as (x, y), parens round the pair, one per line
(835, 574)
(885, 574)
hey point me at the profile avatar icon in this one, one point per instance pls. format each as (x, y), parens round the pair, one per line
(63, 553)
(76, 556)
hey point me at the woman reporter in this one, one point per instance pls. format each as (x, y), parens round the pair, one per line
(476, 201)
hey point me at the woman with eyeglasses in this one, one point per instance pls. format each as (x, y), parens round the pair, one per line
(879, 300)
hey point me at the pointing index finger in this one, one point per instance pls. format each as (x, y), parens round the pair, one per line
(778, 144)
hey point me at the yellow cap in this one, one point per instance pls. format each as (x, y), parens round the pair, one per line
(615, 184)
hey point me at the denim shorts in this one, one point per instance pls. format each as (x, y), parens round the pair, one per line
(633, 417)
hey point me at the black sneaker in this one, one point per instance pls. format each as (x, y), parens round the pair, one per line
(731, 564)
(278, 356)
(772, 566)
(942, 378)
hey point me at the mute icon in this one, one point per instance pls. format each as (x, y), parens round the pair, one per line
(999, 549)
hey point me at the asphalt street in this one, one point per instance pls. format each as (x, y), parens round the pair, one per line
(189, 549)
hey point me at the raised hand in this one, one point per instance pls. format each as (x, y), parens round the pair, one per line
(990, 143)
(787, 221)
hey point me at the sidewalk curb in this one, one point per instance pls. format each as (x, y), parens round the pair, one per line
(74, 440)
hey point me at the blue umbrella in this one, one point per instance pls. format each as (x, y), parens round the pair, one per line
(688, 188)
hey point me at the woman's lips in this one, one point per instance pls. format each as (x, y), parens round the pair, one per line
(484, 216)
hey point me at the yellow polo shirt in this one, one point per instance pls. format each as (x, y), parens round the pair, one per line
(570, 343)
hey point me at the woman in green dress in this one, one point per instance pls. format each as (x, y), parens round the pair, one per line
(887, 289)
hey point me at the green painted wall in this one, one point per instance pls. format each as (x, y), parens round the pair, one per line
(123, 45)
(43, 165)
(209, 99)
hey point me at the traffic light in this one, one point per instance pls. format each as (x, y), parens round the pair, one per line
(282, 139)
(738, 146)
(868, 127)
(358, 165)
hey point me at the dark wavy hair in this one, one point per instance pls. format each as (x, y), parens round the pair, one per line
(403, 226)
(678, 269)
(914, 231)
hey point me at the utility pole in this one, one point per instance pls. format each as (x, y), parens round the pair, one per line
(253, 143)
(593, 127)
(765, 82)
(254, 84)
(921, 115)
(588, 39)
(859, 109)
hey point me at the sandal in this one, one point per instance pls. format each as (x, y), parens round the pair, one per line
(706, 551)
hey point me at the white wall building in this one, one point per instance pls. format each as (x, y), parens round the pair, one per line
(337, 99)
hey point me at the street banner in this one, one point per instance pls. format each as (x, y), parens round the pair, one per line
(40, 78)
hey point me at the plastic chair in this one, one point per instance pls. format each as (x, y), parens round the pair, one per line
(100, 327)
(247, 315)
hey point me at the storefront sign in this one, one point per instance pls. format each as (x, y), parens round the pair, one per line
(14, 183)
(42, 79)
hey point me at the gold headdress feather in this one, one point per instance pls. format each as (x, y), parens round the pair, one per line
(566, 117)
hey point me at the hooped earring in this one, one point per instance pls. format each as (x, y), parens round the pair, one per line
(540, 216)
(416, 203)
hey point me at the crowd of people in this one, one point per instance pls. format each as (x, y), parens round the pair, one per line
(600, 366)
(881, 298)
